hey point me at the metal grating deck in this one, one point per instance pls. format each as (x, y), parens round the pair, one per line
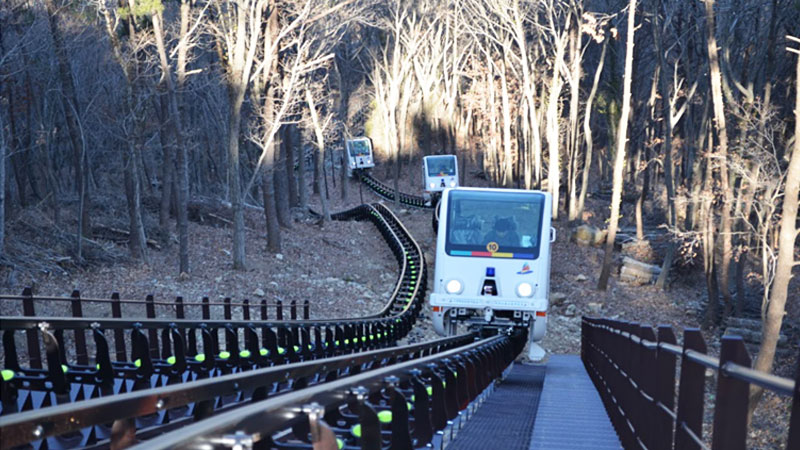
(505, 421)
(571, 415)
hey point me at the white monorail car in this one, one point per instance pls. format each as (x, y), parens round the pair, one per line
(439, 172)
(493, 261)
(359, 153)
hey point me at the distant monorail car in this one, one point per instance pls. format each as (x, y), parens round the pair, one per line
(439, 172)
(493, 262)
(359, 153)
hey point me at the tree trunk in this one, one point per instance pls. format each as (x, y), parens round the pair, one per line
(132, 156)
(507, 166)
(666, 108)
(745, 239)
(268, 175)
(318, 184)
(138, 241)
(17, 150)
(587, 130)
(786, 248)
(69, 101)
(302, 170)
(176, 125)
(722, 136)
(289, 156)
(281, 185)
(642, 196)
(166, 166)
(707, 217)
(2, 187)
(344, 106)
(320, 155)
(236, 91)
(616, 195)
(572, 143)
(554, 171)
(270, 206)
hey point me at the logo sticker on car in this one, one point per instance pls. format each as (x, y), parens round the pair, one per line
(526, 269)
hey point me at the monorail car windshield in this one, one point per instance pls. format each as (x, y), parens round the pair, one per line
(493, 261)
(508, 222)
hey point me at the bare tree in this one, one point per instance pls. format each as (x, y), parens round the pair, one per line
(237, 31)
(722, 137)
(619, 160)
(176, 121)
(787, 247)
(560, 37)
(308, 51)
(319, 125)
(133, 122)
(587, 124)
(512, 27)
(3, 152)
(392, 75)
(69, 101)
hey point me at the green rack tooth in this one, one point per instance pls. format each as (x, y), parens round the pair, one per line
(385, 416)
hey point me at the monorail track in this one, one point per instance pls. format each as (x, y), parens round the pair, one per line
(214, 405)
(384, 191)
(225, 383)
(170, 352)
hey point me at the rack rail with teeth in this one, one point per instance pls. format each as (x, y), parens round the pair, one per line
(384, 191)
(408, 404)
(166, 353)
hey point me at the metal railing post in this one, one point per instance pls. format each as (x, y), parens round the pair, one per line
(80, 338)
(34, 354)
(664, 389)
(730, 409)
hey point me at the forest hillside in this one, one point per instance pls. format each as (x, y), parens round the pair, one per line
(175, 147)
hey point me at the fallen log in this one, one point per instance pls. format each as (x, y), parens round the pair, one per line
(118, 236)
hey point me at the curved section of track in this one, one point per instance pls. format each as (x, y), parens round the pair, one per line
(149, 353)
(382, 190)
(222, 383)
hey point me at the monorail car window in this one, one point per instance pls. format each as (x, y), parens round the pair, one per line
(441, 166)
(359, 148)
(505, 225)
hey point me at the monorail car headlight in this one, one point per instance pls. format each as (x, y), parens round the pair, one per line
(433, 185)
(454, 287)
(524, 290)
(452, 184)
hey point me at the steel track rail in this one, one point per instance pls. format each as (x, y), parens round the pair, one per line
(294, 420)
(384, 191)
(25, 427)
(407, 251)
